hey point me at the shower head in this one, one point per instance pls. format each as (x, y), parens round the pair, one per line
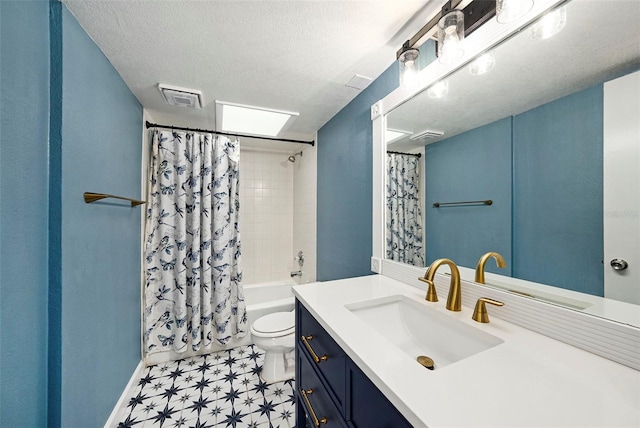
(292, 158)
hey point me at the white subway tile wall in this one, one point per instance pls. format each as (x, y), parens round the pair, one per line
(267, 213)
(304, 212)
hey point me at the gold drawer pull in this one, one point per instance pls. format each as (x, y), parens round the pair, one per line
(317, 359)
(316, 422)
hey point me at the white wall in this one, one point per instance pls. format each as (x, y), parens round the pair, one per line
(304, 212)
(277, 213)
(266, 215)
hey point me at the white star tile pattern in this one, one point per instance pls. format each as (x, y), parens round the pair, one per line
(212, 391)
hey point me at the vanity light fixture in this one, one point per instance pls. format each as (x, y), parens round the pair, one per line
(550, 24)
(455, 21)
(509, 10)
(408, 69)
(482, 64)
(450, 36)
(439, 89)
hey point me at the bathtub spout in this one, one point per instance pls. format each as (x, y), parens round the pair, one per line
(296, 273)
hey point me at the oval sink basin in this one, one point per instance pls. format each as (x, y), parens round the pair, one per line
(419, 330)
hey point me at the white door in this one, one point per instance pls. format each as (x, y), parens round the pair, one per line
(622, 188)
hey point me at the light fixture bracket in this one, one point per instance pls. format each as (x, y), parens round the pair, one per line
(476, 13)
(408, 53)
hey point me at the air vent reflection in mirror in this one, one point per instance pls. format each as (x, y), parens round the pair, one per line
(427, 134)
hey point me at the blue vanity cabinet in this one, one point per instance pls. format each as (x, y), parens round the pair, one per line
(320, 374)
(368, 407)
(331, 391)
(316, 406)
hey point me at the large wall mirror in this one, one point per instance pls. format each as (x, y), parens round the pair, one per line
(537, 136)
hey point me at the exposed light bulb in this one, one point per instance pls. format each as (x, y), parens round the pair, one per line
(450, 37)
(550, 24)
(482, 64)
(439, 89)
(409, 78)
(509, 10)
(451, 46)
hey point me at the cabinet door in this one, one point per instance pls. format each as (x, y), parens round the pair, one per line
(318, 342)
(367, 406)
(313, 397)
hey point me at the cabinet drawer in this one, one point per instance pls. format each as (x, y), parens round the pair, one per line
(328, 358)
(368, 407)
(315, 400)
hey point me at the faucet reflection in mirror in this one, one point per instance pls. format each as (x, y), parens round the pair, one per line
(483, 261)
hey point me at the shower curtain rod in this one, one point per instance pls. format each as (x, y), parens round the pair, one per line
(286, 140)
(418, 155)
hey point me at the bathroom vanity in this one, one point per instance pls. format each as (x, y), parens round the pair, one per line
(355, 368)
(330, 388)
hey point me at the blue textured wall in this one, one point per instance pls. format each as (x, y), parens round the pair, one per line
(475, 165)
(24, 111)
(344, 185)
(101, 152)
(69, 290)
(345, 174)
(550, 229)
(55, 216)
(557, 205)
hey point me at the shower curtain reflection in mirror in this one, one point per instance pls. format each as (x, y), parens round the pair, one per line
(404, 240)
(193, 294)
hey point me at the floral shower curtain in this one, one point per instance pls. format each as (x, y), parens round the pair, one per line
(403, 217)
(193, 294)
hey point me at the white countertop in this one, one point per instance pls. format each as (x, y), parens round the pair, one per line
(529, 380)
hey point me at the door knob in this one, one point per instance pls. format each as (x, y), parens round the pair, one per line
(619, 264)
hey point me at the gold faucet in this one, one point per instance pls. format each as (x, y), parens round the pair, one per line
(480, 313)
(483, 261)
(454, 300)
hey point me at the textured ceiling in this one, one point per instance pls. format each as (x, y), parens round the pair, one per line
(287, 55)
(597, 44)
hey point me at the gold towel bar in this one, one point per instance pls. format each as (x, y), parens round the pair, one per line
(92, 197)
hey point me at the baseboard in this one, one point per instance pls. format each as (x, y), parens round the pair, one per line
(126, 394)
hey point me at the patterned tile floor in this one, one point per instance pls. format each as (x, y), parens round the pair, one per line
(213, 391)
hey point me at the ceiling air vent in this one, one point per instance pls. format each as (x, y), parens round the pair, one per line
(181, 97)
(359, 82)
(426, 135)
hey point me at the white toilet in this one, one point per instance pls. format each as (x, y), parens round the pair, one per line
(274, 333)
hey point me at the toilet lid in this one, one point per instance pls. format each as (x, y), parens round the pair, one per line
(279, 322)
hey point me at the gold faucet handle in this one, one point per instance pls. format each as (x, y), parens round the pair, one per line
(432, 295)
(480, 313)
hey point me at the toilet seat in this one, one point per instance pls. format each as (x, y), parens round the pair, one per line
(274, 325)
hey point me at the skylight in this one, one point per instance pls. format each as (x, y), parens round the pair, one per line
(251, 120)
(392, 135)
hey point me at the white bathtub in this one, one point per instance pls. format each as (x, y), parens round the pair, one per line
(261, 299)
(266, 298)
